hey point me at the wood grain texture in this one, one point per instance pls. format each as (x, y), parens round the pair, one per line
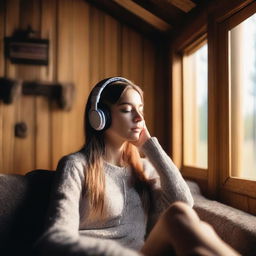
(234, 200)
(43, 106)
(126, 52)
(64, 70)
(2, 18)
(184, 5)
(24, 150)
(86, 45)
(149, 17)
(212, 106)
(8, 111)
(112, 47)
(136, 63)
(96, 46)
(252, 205)
(219, 18)
(81, 74)
(148, 84)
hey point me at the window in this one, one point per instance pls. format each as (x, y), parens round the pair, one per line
(242, 70)
(214, 103)
(195, 107)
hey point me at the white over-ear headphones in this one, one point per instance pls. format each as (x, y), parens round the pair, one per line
(97, 117)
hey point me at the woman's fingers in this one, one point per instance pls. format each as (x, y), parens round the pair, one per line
(144, 136)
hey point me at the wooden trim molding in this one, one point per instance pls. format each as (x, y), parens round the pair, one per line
(216, 22)
(184, 5)
(196, 44)
(144, 14)
(230, 188)
(177, 112)
(238, 185)
(241, 186)
(176, 141)
(193, 172)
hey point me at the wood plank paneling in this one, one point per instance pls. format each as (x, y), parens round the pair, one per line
(2, 34)
(96, 46)
(112, 47)
(24, 148)
(43, 108)
(2, 18)
(86, 45)
(148, 84)
(81, 73)
(144, 14)
(65, 69)
(162, 95)
(136, 63)
(126, 52)
(11, 23)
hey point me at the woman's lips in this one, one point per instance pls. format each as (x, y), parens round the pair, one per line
(136, 129)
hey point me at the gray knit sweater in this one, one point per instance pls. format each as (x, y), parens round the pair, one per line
(123, 229)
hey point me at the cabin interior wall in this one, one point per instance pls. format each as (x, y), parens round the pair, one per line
(86, 45)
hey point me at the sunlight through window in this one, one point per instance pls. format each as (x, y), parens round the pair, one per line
(195, 107)
(242, 70)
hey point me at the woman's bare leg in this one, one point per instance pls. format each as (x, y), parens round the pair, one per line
(179, 229)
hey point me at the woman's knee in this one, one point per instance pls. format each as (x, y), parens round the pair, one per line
(179, 216)
(180, 209)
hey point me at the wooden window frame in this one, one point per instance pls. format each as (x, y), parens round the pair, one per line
(193, 44)
(188, 170)
(238, 185)
(216, 182)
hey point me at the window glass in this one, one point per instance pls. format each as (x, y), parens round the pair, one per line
(242, 70)
(195, 107)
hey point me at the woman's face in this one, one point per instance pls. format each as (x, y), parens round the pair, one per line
(127, 117)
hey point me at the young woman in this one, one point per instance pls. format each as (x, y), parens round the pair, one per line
(106, 198)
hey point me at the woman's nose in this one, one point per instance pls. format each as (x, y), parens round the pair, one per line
(138, 116)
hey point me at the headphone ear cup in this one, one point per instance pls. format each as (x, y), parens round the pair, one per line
(97, 119)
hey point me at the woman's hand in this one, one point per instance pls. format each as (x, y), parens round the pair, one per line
(144, 136)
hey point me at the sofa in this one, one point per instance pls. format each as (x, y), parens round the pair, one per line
(23, 205)
(235, 227)
(24, 202)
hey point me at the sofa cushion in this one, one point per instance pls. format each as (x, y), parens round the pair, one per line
(24, 202)
(235, 227)
(13, 190)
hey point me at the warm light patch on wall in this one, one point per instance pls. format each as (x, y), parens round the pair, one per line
(144, 14)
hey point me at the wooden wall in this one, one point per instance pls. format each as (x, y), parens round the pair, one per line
(86, 45)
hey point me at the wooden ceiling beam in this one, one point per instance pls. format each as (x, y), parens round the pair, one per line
(162, 10)
(144, 14)
(126, 17)
(184, 5)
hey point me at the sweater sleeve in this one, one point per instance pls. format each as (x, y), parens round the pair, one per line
(170, 185)
(61, 236)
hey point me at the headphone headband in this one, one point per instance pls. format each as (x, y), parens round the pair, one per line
(97, 116)
(98, 90)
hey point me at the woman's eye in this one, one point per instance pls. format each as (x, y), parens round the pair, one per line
(125, 110)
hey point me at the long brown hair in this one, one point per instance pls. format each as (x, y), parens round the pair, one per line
(95, 148)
